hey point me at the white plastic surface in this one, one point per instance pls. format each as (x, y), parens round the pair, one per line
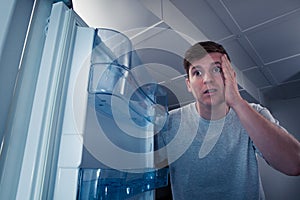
(71, 146)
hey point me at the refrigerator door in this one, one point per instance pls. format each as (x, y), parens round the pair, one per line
(40, 176)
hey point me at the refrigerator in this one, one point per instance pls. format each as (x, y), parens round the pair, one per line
(95, 117)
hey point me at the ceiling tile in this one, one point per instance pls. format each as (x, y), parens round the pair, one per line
(251, 13)
(166, 61)
(277, 40)
(256, 77)
(238, 55)
(120, 15)
(161, 48)
(286, 70)
(203, 17)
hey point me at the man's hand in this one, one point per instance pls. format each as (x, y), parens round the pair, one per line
(232, 95)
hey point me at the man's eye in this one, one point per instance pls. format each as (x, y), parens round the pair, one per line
(217, 70)
(197, 73)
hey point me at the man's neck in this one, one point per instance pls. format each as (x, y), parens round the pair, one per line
(212, 112)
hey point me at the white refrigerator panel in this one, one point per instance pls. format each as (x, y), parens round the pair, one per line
(74, 117)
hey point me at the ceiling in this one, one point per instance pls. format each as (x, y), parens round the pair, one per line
(262, 38)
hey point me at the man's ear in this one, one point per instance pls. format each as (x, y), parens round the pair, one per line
(187, 82)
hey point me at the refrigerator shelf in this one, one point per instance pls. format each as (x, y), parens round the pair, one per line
(111, 184)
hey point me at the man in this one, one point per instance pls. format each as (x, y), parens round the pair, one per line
(221, 133)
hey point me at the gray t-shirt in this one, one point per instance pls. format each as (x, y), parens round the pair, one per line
(212, 159)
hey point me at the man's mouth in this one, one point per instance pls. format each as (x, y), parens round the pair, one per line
(210, 91)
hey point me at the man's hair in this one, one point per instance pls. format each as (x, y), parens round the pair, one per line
(199, 50)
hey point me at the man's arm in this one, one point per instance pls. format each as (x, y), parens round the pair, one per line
(280, 149)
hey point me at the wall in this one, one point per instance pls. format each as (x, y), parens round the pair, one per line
(278, 186)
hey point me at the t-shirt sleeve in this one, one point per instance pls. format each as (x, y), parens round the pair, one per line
(267, 114)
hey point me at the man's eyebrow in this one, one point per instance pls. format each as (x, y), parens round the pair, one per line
(196, 66)
(199, 66)
(216, 63)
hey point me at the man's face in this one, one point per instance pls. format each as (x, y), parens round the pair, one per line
(206, 80)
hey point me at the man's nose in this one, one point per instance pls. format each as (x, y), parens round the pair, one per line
(207, 77)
